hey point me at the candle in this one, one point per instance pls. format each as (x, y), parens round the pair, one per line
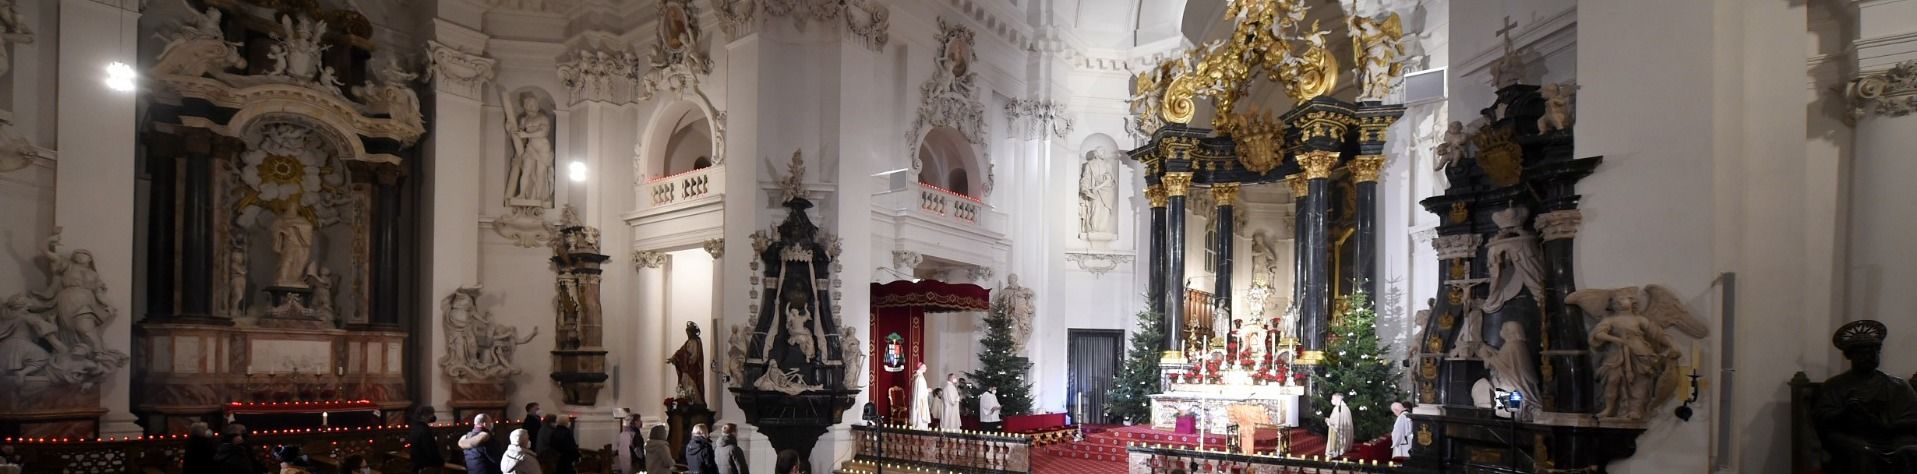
(1694, 356)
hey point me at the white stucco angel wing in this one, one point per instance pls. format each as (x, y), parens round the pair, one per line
(1667, 309)
(1594, 301)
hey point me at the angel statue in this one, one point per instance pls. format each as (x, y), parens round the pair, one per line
(1378, 43)
(1637, 351)
(476, 347)
(1557, 106)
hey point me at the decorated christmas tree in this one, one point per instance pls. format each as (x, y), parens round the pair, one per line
(1138, 379)
(1359, 366)
(1001, 366)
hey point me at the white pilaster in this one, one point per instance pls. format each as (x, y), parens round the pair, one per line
(453, 184)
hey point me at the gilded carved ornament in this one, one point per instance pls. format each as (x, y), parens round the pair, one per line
(1365, 168)
(1177, 183)
(1267, 40)
(1156, 194)
(1224, 193)
(1299, 186)
(1261, 141)
(1317, 164)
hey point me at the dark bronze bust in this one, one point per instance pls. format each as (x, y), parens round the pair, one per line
(1866, 419)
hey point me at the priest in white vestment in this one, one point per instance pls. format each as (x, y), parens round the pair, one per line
(1340, 437)
(1400, 432)
(949, 421)
(921, 400)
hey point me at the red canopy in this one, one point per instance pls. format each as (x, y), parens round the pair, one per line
(930, 296)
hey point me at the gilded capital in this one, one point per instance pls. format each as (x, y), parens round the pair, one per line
(1156, 194)
(1176, 183)
(1317, 164)
(1365, 168)
(1225, 193)
(1299, 186)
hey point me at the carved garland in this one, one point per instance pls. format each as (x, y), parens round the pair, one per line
(1891, 93)
(869, 20)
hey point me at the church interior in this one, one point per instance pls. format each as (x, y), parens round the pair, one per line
(975, 236)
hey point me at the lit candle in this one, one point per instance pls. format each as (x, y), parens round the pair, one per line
(1694, 356)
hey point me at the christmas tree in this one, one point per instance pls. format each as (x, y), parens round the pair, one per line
(1356, 365)
(1000, 366)
(1138, 379)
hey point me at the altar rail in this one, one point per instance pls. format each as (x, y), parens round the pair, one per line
(960, 451)
(1159, 460)
(384, 448)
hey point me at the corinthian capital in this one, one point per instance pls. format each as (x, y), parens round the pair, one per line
(459, 72)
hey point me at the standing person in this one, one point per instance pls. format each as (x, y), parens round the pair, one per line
(234, 455)
(1400, 432)
(200, 448)
(937, 408)
(699, 457)
(532, 423)
(1339, 437)
(629, 450)
(542, 440)
(921, 411)
(424, 447)
(951, 421)
(988, 410)
(658, 451)
(519, 458)
(731, 458)
(481, 449)
(565, 447)
(788, 463)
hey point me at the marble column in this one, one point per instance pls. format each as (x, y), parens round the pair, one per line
(385, 249)
(1176, 185)
(1224, 194)
(1364, 175)
(196, 228)
(1155, 281)
(162, 169)
(1566, 365)
(1315, 311)
(1453, 384)
(1299, 190)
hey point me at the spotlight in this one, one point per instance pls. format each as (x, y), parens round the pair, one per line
(576, 171)
(119, 76)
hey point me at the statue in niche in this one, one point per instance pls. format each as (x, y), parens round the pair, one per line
(1511, 366)
(736, 346)
(1378, 43)
(13, 30)
(293, 240)
(529, 177)
(76, 297)
(1020, 306)
(1471, 335)
(1098, 195)
(798, 330)
(853, 352)
(1516, 261)
(690, 363)
(476, 347)
(1866, 419)
(1264, 259)
(236, 283)
(323, 281)
(1637, 352)
(1557, 106)
(21, 334)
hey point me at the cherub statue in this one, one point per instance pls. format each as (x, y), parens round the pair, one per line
(1637, 351)
(1452, 148)
(1558, 114)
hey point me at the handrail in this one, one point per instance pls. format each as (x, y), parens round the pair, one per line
(1164, 459)
(958, 451)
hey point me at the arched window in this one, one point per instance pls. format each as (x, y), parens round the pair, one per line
(957, 182)
(1211, 246)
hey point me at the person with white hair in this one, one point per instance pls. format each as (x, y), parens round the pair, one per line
(519, 457)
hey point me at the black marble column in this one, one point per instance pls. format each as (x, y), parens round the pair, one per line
(196, 232)
(386, 222)
(1156, 280)
(1176, 184)
(162, 169)
(1221, 290)
(1364, 174)
(1299, 189)
(1315, 311)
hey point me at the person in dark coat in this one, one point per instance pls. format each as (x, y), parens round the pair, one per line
(532, 423)
(730, 457)
(235, 456)
(481, 448)
(565, 447)
(542, 441)
(699, 455)
(424, 447)
(788, 463)
(201, 445)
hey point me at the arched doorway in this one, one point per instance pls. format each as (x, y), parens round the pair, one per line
(947, 162)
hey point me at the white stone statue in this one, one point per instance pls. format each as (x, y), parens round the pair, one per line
(323, 282)
(293, 240)
(1516, 263)
(477, 349)
(198, 26)
(853, 352)
(1340, 434)
(22, 334)
(1421, 344)
(13, 30)
(1471, 336)
(789, 382)
(736, 346)
(949, 419)
(236, 283)
(1098, 195)
(1451, 149)
(1019, 305)
(1512, 368)
(529, 176)
(77, 298)
(391, 94)
(297, 55)
(798, 332)
(1636, 349)
(921, 410)
(1558, 113)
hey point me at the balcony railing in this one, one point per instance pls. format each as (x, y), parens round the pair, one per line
(936, 200)
(960, 451)
(686, 187)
